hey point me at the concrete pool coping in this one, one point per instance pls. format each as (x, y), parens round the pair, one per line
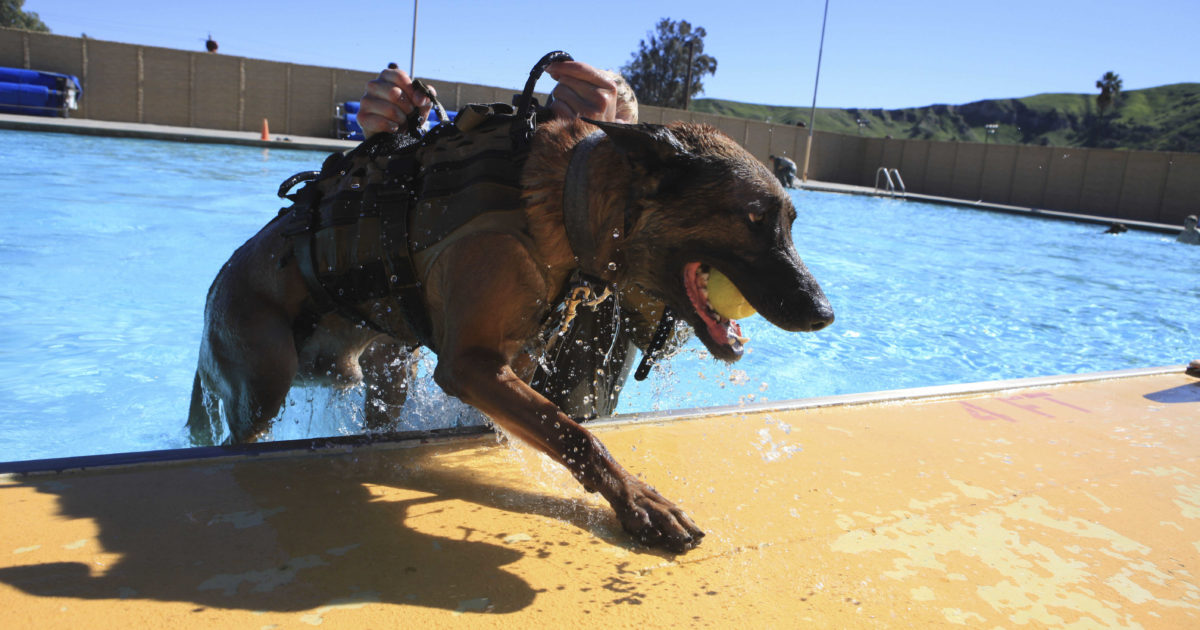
(408, 438)
(1042, 502)
(166, 132)
(848, 189)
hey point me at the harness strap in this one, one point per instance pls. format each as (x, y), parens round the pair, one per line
(653, 353)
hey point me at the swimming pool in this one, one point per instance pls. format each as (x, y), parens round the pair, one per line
(110, 245)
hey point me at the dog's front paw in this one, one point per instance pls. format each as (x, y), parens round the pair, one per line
(655, 521)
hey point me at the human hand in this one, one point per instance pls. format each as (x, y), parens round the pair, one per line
(585, 91)
(389, 101)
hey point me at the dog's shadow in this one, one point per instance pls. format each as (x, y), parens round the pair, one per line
(1182, 394)
(240, 536)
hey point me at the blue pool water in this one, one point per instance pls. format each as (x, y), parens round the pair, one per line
(109, 245)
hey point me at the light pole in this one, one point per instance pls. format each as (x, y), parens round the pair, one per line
(687, 84)
(812, 116)
(412, 58)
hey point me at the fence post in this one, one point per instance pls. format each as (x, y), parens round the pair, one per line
(83, 51)
(191, 89)
(141, 84)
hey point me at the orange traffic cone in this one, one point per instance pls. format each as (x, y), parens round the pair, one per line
(266, 135)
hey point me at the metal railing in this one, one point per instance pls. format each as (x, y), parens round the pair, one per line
(891, 177)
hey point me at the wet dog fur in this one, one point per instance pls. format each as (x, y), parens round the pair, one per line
(697, 201)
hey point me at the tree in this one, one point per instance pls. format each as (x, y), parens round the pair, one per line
(13, 16)
(1110, 89)
(658, 71)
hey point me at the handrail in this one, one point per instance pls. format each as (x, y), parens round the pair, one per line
(887, 177)
(891, 186)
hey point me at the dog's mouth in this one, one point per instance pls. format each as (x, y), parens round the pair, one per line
(722, 330)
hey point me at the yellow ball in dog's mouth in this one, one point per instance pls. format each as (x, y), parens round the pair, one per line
(725, 298)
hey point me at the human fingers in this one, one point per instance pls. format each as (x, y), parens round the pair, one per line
(396, 87)
(410, 96)
(581, 98)
(388, 102)
(583, 72)
(376, 115)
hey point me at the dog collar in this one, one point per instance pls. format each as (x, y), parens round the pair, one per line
(576, 217)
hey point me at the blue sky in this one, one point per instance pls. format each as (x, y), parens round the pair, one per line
(877, 53)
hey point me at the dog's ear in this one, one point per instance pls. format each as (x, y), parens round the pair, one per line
(655, 154)
(643, 142)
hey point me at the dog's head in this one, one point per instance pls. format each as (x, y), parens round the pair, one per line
(700, 202)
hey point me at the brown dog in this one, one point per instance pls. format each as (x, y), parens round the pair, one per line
(668, 203)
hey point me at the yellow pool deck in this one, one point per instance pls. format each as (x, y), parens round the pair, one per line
(1026, 504)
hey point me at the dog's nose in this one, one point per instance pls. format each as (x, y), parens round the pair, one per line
(822, 318)
(819, 324)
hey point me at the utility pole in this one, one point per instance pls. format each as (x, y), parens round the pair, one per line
(812, 116)
(412, 58)
(687, 84)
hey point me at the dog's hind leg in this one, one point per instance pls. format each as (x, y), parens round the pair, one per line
(256, 362)
(389, 368)
(204, 415)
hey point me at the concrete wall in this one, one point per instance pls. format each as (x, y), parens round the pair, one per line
(130, 83)
(146, 84)
(1154, 186)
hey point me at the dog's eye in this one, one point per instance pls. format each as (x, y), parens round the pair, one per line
(756, 215)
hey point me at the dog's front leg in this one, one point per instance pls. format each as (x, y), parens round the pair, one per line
(487, 321)
(484, 379)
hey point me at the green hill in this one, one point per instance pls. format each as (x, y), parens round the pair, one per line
(1165, 118)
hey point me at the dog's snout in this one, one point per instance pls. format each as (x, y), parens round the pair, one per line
(821, 317)
(822, 321)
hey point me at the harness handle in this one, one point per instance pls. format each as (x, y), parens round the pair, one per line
(526, 103)
(522, 131)
(416, 122)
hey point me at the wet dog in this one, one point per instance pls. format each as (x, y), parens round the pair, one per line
(666, 208)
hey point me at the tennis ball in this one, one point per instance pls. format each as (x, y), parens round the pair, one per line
(725, 298)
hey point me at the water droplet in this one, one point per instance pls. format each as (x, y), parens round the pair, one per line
(616, 233)
(612, 266)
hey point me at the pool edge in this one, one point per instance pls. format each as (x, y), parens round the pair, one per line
(409, 439)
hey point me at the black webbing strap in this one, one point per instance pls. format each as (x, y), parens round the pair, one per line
(653, 353)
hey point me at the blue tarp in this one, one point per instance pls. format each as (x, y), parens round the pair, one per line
(38, 93)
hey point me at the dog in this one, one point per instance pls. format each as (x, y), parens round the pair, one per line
(665, 206)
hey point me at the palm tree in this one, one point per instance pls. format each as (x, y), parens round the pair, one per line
(1110, 89)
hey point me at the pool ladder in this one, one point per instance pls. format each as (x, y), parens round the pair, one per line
(891, 177)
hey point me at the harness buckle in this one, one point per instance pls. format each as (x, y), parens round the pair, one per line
(581, 293)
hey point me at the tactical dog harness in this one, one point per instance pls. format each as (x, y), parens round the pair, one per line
(371, 222)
